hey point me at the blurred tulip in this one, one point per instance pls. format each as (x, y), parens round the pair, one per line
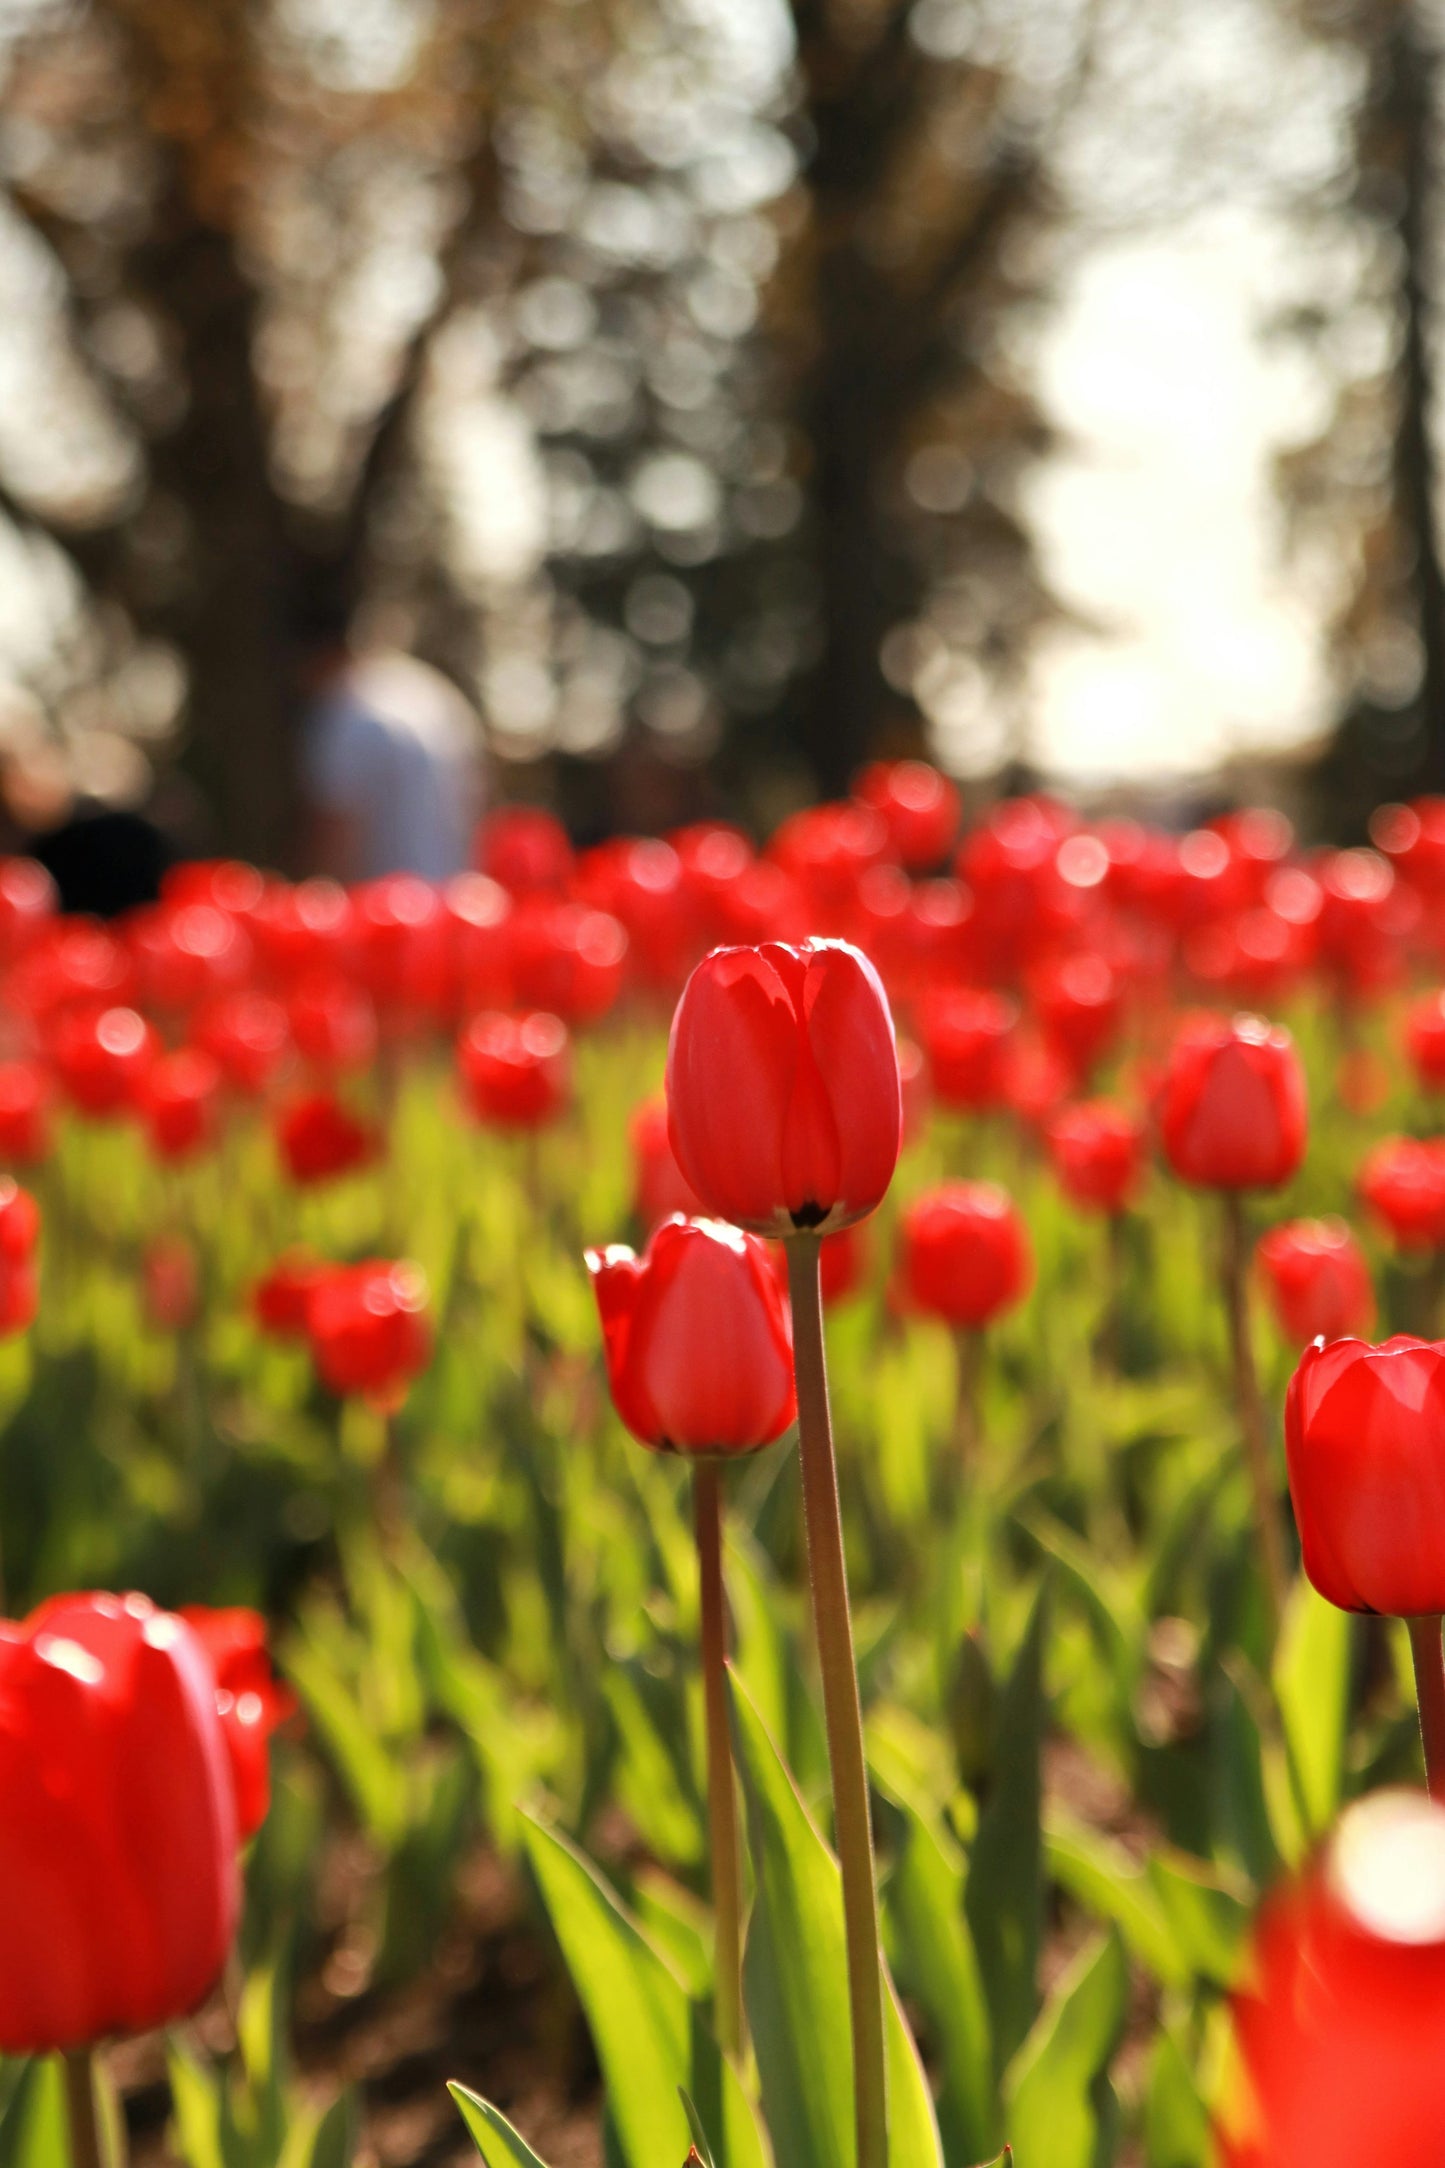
(28, 901)
(783, 1098)
(321, 1139)
(178, 1103)
(333, 1023)
(25, 1102)
(659, 1188)
(964, 1253)
(525, 849)
(308, 928)
(170, 1283)
(281, 1300)
(1402, 1180)
(1080, 1006)
(478, 914)
(1338, 2030)
(827, 849)
(1319, 1284)
(566, 959)
(696, 1334)
(403, 940)
(639, 881)
(247, 1036)
(102, 1058)
(1098, 1153)
(920, 809)
(19, 1233)
(968, 1038)
(515, 1071)
(1425, 1041)
(117, 1824)
(186, 953)
(251, 1702)
(1231, 1108)
(915, 1088)
(368, 1328)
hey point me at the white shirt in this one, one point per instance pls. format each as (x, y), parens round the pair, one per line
(393, 747)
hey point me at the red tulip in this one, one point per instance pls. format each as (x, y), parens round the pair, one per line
(1319, 1284)
(178, 1103)
(333, 1022)
(75, 963)
(478, 913)
(1402, 1180)
(246, 1035)
(566, 959)
(1425, 1041)
(1098, 1153)
(170, 1283)
(515, 1071)
(968, 1038)
(659, 1187)
(697, 1340)
(1231, 1107)
(307, 928)
(251, 1702)
(320, 1139)
(525, 849)
(715, 860)
(1364, 1432)
(783, 1099)
(19, 1232)
(117, 1824)
(25, 1100)
(403, 939)
(916, 1089)
(919, 806)
(368, 1328)
(228, 884)
(1339, 2030)
(827, 849)
(282, 1300)
(639, 880)
(187, 953)
(965, 1253)
(1080, 1005)
(102, 1058)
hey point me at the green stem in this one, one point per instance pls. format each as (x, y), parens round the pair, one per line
(841, 1708)
(1429, 1660)
(967, 1429)
(1250, 1409)
(722, 1815)
(85, 2146)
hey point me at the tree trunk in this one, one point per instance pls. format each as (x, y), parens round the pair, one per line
(1413, 78)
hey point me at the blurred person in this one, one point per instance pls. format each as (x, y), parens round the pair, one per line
(391, 762)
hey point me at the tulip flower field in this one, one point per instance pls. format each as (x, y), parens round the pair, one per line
(724, 1505)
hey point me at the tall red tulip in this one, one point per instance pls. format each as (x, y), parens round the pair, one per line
(117, 1824)
(368, 1327)
(250, 1701)
(1232, 1110)
(965, 1253)
(783, 1097)
(1364, 1431)
(1339, 2029)
(1318, 1281)
(699, 1351)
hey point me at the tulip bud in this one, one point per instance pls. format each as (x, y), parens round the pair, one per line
(251, 1702)
(178, 1103)
(783, 1098)
(117, 1824)
(659, 1187)
(1364, 1433)
(1402, 1180)
(25, 1100)
(320, 1139)
(965, 1253)
(968, 1037)
(102, 1058)
(515, 1071)
(368, 1328)
(1231, 1108)
(698, 1345)
(1098, 1153)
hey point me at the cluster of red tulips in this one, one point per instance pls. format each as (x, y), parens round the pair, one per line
(1023, 962)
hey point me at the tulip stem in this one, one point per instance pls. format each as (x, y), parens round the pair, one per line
(85, 2146)
(967, 1429)
(842, 1709)
(722, 1815)
(1429, 1660)
(1250, 1409)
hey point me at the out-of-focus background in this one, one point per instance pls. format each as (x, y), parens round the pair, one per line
(721, 393)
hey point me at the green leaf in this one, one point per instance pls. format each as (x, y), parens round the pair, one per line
(639, 2017)
(1104, 1879)
(1004, 1898)
(196, 2102)
(35, 2129)
(1050, 2092)
(496, 2141)
(1208, 1914)
(1312, 1686)
(376, 1783)
(934, 1956)
(699, 2135)
(795, 1981)
(1176, 2121)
